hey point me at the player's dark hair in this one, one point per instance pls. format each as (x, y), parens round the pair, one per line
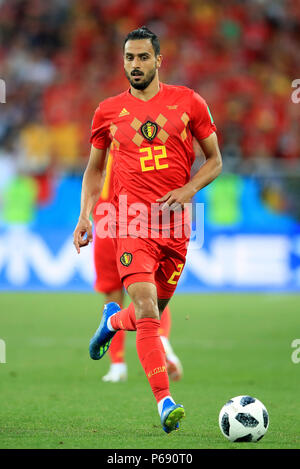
(144, 33)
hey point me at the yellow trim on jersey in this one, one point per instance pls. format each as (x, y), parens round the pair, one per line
(107, 181)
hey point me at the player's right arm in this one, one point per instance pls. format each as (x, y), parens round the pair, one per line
(92, 183)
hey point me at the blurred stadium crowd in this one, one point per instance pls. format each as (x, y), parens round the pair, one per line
(60, 58)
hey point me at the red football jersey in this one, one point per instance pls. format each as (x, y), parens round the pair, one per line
(151, 141)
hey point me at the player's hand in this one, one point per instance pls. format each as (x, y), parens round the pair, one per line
(177, 198)
(83, 233)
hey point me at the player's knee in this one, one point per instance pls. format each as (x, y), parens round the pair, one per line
(144, 298)
(146, 308)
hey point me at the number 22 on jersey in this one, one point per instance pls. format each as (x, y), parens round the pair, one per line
(152, 159)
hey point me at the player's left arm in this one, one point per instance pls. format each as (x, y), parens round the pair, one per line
(206, 174)
(92, 183)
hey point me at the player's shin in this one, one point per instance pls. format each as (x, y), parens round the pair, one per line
(152, 356)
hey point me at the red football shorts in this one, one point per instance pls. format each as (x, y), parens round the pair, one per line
(124, 261)
(107, 275)
(158, 261)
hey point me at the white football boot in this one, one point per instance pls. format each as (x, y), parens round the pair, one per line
(116, 373)
(174, 366)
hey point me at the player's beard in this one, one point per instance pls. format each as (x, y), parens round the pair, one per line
(143, 84)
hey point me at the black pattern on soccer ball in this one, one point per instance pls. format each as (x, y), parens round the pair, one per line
(247, 420)
(266, 418)
(247, 400)
(244, 438)
(225, 424)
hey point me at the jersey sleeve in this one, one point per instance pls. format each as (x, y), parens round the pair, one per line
(202, 123)
(100, 134)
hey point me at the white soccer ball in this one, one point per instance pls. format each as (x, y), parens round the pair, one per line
(243, 418)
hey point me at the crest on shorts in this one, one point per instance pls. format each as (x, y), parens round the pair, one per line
(126, 259)
(149, 130)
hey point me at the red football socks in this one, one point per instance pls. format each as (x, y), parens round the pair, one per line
(117, 346)
(152, 356)
(124, 319)
(149, 348)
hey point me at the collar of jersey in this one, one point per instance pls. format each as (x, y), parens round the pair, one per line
(149, 100)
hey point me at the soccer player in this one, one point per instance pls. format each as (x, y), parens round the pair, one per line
(151, 128)
(109, 283)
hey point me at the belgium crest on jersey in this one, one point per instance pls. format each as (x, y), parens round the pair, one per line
(149, 130)
(126, 259)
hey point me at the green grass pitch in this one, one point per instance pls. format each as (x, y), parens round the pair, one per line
(52, 395)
